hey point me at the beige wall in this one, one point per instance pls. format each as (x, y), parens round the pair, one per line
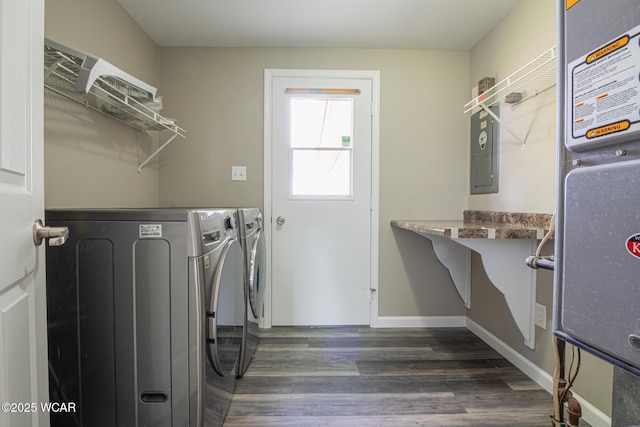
(218, 96)
(90, 159)
(527, 183)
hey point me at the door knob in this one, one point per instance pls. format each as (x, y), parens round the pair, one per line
(57, 235)
(280, 220)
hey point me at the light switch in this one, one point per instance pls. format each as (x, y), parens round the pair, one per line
(238, 173)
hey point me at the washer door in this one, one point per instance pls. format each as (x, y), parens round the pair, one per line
(257, 274)
(226, 311)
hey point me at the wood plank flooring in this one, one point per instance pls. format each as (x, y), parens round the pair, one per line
(358, 376)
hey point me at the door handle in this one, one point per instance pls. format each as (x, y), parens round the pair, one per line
(57, 235)
(280, 220)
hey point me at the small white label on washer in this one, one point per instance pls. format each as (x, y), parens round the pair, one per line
(150, 231)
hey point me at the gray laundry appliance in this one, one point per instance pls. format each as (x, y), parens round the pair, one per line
(253, 244)
(145, 315)
(597, 292)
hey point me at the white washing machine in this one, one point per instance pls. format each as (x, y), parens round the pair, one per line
(252, 240)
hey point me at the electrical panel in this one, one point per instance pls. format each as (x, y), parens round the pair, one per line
(484, 152)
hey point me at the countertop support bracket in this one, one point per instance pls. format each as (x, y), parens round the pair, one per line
(457, 259)
(503, 261)
(504, 241)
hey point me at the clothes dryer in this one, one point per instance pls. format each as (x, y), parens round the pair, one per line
(216, 314)
(253, 244)
(145, 316)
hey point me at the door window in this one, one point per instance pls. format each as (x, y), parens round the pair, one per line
(321, 148)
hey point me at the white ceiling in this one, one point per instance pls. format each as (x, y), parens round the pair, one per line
(384, 24)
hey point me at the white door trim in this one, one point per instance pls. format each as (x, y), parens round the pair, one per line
(374, 76)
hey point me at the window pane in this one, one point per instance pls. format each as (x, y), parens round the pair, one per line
(321, 173)
(321, 122)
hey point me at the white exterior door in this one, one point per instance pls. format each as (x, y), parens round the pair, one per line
(23, 345)
(321, 200)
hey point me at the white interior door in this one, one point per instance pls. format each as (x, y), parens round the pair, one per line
(321, 199)
(23, 346)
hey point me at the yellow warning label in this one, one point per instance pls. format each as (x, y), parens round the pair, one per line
(611, 47)
(608, 129)
(571, 3)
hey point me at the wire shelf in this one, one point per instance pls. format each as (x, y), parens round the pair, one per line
(66, 73)
(532, 79)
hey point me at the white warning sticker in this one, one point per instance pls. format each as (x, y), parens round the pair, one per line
(147, 231)
(604, 90)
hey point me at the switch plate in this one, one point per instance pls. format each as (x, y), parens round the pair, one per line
(541, 316)
(238, 173)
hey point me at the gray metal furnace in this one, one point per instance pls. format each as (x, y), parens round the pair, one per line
(598, 239)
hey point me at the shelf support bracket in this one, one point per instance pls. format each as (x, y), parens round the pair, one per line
(497, 119)
(155, 153)
(53, 67)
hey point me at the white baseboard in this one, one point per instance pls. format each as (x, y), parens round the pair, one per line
(590, 413)
(420, 322)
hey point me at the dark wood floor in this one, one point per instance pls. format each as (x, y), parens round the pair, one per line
(351, 376)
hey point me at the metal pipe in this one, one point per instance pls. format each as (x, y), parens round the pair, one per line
(540, 262)
(574, 410)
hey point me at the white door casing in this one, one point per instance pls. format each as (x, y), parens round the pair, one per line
(23, 345)
(323, 260)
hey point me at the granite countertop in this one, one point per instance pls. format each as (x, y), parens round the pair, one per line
(483, 225)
